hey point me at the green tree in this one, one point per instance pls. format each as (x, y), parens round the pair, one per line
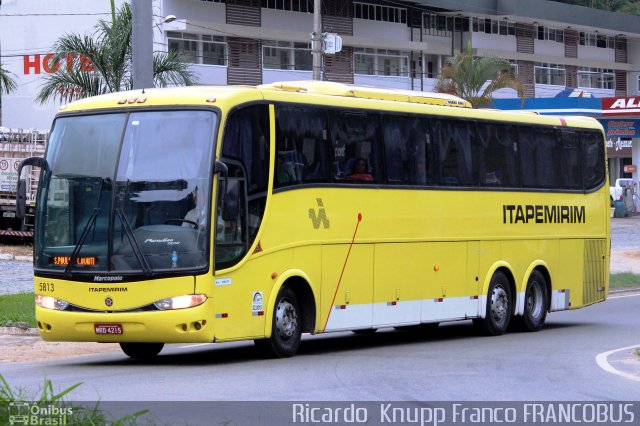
(7, 82)
(89, 65)
(476, 78)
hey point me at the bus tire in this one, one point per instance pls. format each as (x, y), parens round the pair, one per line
(536, 303)
(142, 351)
(499, 307)
(286, 328)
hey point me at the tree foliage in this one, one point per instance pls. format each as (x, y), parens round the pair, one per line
(7, 81)
(629, 7)
(476, 78)
(89, 65)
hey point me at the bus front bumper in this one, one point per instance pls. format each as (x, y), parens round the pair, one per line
(191, 325)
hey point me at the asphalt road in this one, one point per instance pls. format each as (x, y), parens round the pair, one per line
(450, 363)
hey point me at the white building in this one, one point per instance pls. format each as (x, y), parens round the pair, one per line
(403, 44)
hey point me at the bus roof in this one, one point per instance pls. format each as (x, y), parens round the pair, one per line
(310, 91)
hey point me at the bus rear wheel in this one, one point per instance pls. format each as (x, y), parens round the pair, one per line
(286, 328)
(499, 303)
(536, 303)
(142, 351)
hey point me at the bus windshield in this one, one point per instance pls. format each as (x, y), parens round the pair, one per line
(126, 193)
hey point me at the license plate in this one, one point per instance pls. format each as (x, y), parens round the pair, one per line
(8, 214)
(108, 328)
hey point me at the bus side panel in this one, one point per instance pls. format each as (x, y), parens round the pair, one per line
(401, 277)
(447, 292)
(352, 307)
(567, 289)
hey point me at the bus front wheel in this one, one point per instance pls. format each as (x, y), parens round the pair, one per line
(499, 304)
(142, 351)
(536, 303)
(286, 328)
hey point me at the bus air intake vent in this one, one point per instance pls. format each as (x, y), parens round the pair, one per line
(594, 271)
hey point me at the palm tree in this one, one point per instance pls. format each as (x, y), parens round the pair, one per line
(475, 79)
(7, 82)
(102, 63)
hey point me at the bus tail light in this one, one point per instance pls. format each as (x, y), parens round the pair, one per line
(48, 302)
(181, 302)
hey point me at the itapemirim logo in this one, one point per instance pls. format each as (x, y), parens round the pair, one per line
(320, 217)
(25, 413)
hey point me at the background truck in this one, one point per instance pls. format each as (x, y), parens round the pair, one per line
(15, 146)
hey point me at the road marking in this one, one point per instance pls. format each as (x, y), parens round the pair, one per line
(624, 295)
(602, 361)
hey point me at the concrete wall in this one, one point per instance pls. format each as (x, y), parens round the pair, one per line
(24, 37)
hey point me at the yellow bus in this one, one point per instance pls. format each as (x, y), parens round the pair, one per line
(216, 214)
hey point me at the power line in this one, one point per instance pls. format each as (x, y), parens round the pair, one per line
(19, 15)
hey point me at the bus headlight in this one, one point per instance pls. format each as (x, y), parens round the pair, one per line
(49, 302)
(181, 302)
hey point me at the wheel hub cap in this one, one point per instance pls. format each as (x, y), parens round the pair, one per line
(286, 319)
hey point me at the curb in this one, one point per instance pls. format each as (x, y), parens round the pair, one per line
(624, 290)
(16, 331)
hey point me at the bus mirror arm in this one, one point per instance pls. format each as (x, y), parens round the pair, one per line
(222, 169)
(231, 205)
(21, 196)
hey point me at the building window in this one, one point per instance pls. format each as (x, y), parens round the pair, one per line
(436, 25)
(550, 74)
(381, 62)
(596, 78)
(198, 49)
(375, 12)
(551, 34)
(283, 55)
(305, 6)
(596, 40)
(493, 26)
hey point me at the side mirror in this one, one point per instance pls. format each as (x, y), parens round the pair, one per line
(231, 204)
(21, 196)
(21, 199)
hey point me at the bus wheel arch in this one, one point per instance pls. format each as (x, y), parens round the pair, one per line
(291, 312)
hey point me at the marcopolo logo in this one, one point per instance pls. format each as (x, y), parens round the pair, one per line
(25, 413)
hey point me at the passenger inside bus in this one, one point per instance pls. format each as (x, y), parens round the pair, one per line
(359, 171)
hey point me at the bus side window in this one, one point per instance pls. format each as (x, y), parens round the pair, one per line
(408, 150)
(593, 159)
(455, 141)
(497, 161)
(355, 136)
(301, 144)
(570, 172)
(538, 149)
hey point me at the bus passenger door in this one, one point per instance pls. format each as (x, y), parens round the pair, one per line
(347, 286)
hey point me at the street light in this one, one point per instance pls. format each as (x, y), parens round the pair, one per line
(142, 44)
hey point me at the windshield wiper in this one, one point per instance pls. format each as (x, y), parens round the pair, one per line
(83, 237)
(134, 243)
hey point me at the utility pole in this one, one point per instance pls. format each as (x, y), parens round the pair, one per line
(316, 40)
(142, 44)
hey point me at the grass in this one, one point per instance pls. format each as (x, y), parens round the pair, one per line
(19, 402)
(17, 307)
(624, 280)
